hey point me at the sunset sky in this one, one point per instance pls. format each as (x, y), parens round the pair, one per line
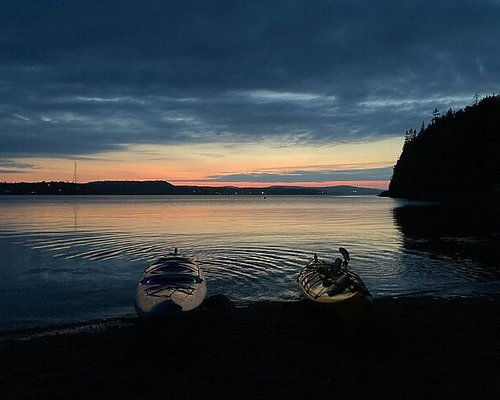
(249, 93)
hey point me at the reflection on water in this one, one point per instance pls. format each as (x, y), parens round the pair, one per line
(74, 258)
(466, 233)
(442, 220)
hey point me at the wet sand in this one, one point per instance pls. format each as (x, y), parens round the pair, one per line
(405, 348)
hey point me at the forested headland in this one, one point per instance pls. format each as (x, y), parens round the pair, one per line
(457, 156)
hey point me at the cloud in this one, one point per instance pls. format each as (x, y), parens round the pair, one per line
(15, 164)
(14, 167)
(84, 77)
(12, 171)
(370, 174)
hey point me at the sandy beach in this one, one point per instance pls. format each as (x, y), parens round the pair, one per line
(403, 348)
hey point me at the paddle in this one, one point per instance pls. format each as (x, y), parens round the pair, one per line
(346, 256)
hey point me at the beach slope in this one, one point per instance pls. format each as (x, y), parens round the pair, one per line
(405, 348)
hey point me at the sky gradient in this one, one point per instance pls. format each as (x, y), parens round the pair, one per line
(233, 92)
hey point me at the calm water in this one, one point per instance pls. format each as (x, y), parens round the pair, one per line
(67, 259)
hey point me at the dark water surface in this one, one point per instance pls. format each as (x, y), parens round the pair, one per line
(69, 259)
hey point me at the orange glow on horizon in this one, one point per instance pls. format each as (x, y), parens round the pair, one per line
(202, 165)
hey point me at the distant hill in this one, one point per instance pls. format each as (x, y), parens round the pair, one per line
(166, 188)
(457, 156)
(90, 188)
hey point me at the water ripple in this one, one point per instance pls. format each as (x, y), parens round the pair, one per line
(249, 249)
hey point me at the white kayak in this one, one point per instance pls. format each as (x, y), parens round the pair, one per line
(171, 285)
(327, 282)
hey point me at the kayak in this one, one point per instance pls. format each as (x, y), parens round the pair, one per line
(330, 282)
(173, 284)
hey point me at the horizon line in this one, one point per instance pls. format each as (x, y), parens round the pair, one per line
(363, 184)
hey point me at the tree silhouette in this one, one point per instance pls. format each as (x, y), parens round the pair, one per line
(435, 115)
(457, 154)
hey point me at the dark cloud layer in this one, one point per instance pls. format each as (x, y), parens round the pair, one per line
(13, 167)
(81, 77)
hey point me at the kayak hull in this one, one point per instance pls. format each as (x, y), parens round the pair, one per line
(339, 298)
(339, 292)
(171, 285)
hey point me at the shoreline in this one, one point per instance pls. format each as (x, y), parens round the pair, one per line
(402, 348)
(165, 188)
(97, 325)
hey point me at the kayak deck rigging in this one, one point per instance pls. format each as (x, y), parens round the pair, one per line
(161, 285)
(170, 284)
